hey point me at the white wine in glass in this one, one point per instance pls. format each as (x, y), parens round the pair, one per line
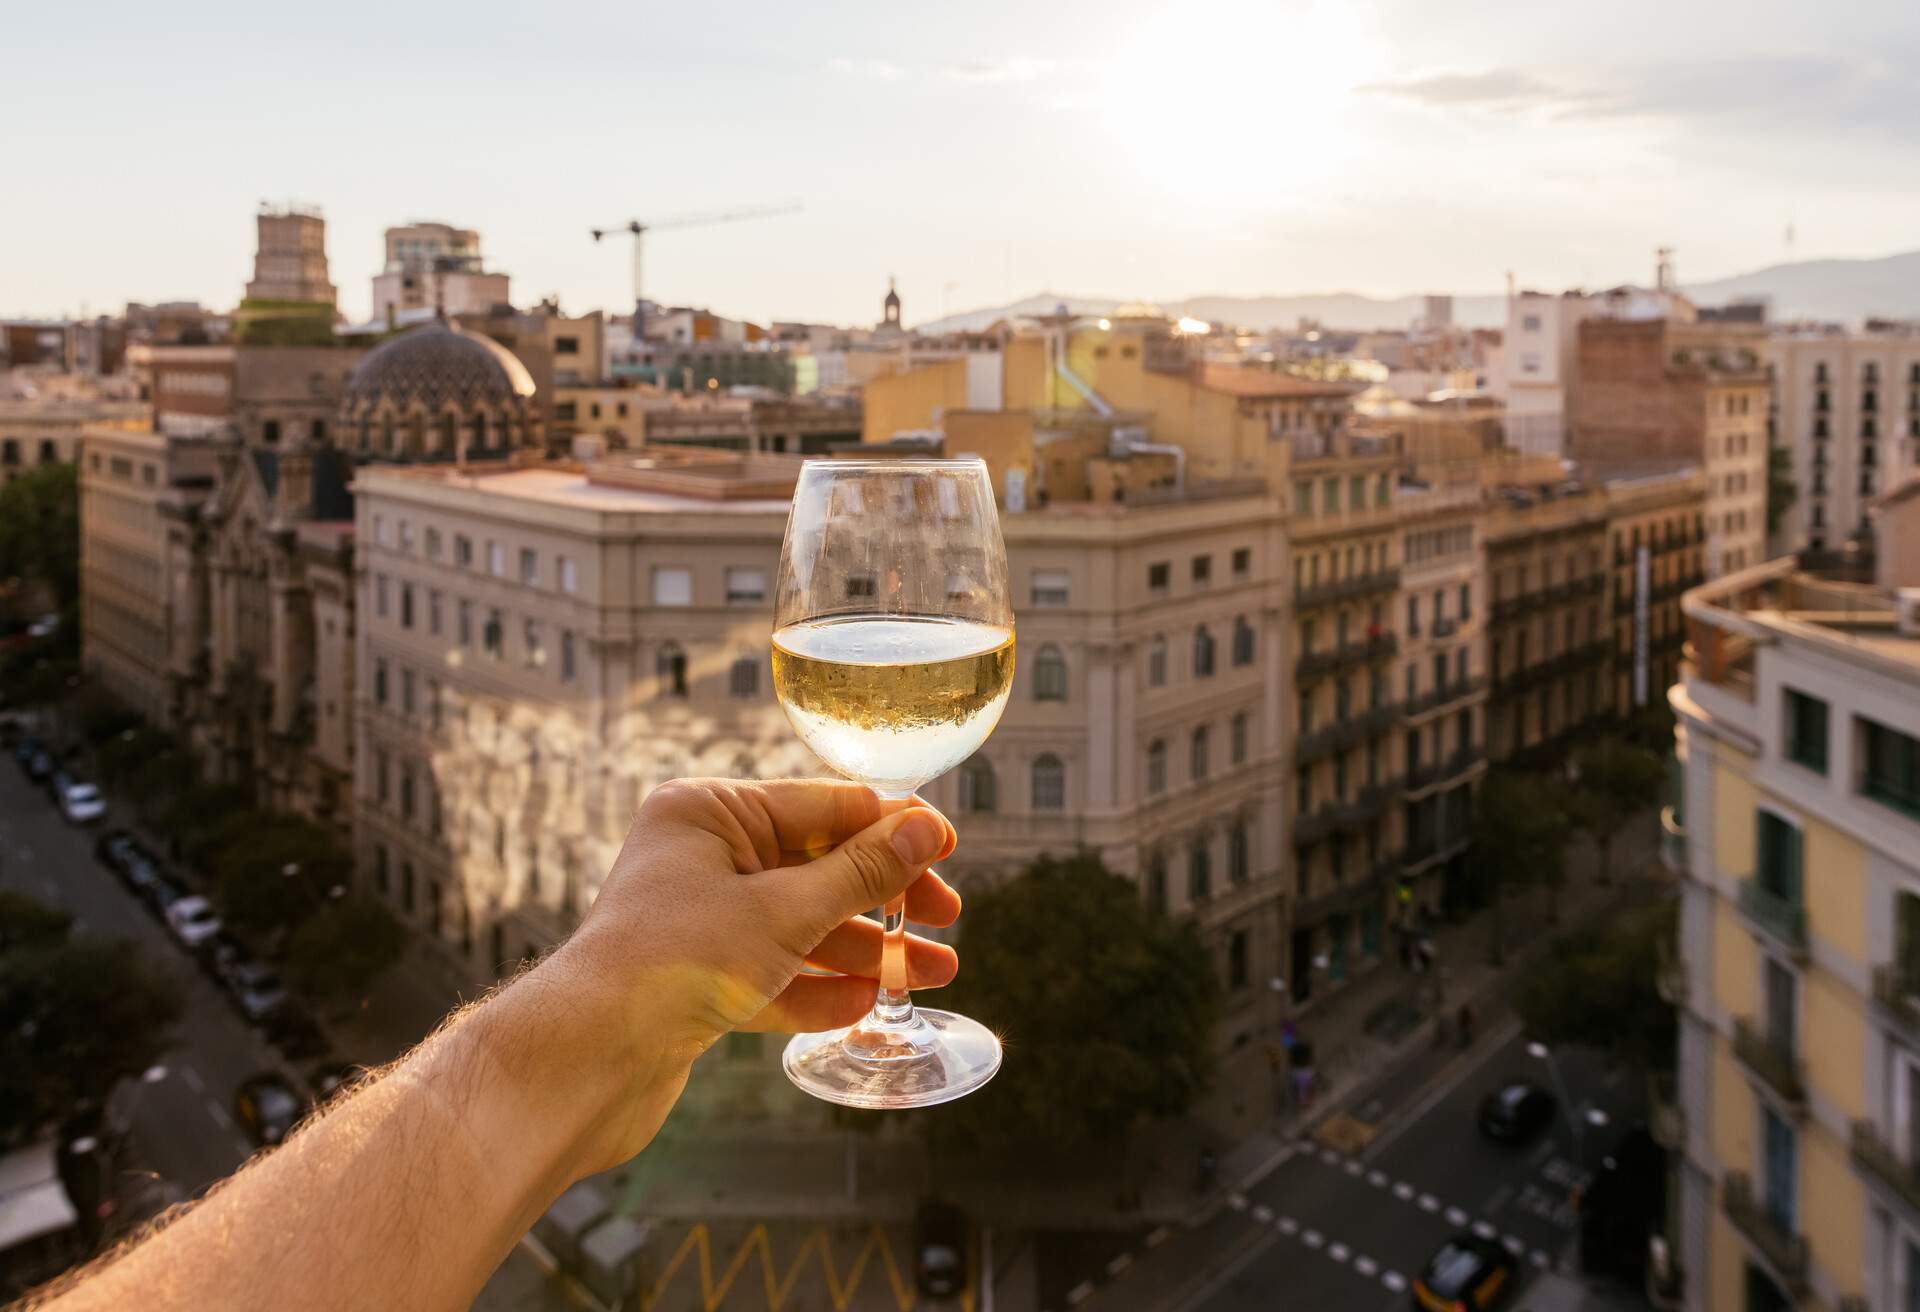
(893, 657)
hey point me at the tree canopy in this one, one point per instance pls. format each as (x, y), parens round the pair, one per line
(1596, 988)
(1616, 781)
(249, 868)
(1107, 1009)
(40, 530)
(1521, 824)
(343, 948)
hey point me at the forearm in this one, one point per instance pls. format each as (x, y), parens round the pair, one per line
(412, 1191)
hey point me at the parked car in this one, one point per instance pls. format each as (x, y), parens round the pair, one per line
(25, 748)
(45, 626)
(267, 1108)
(256, 990)
(40, 765)
(82, 804)
(144, 876)
(1468, 1274)
(193, 920)
(114, 848)
(222, 955)
(939, 1249)
(293, 1032)
(331, 1077)
(1515, 1112)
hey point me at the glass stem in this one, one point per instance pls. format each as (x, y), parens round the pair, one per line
(892, 1007)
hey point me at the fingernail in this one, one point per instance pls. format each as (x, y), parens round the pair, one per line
(919, 838)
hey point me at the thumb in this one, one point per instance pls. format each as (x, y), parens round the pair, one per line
(875, 865)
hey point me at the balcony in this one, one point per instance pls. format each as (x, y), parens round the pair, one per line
(1333, 817)
(1897, 994)
(1445, 628)
(1342, 734)
(1772, 1063)
(1317, 664)
(1358, 585)
(1444, 695)
(1666, 1120)
(1670, 975)
(1345, 896)
(1875, 1157)
(1784, 1251)
(1425, 776)
(1781, 919)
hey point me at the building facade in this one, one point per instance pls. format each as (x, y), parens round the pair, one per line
(34, 433)
(290, 260)
(434, 267)
(1847, 413)
(1657, 525)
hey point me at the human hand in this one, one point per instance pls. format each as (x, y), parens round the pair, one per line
(722, 892)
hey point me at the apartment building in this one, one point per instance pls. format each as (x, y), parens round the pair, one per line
(36, 432)
(433, 267)
(1798, 973)
(1658, 528)
(1847, 412)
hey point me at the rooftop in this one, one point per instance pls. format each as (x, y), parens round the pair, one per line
(1237, 380)
(664, 482)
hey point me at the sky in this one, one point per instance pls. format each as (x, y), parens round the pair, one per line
(978, 152)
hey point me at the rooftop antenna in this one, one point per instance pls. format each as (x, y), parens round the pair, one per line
(1663, 268)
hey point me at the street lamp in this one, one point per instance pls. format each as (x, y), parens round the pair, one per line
(1541, 1052)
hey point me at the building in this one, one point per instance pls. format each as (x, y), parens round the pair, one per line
(45, 432)
(1798, 972)
(1847, 414)
(1657, 524)
(290, 262)
(1670, 392)
(554, 349)
(433, 267)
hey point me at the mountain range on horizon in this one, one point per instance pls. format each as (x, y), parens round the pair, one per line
(1840, 290)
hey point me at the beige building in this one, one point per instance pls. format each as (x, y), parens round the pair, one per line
(290, 260)
(434, 266)
(49, 432)
(1657, 525)
(1848, 415)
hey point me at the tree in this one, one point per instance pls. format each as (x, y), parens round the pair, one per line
(341, 950)
(1782, 491)
(204, 818)
(1520, 830)
(40, 531)
(77, 1015)
(1107, 1010)
(1596, 988)
(1616, 781)
(250, 870)
(25, 922)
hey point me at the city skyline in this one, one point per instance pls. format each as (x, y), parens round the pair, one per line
(979, 159)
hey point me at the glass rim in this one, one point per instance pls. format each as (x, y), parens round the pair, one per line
(896, 462)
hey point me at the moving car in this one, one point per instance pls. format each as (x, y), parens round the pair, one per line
(267, 1108)
(939, 1249)
(257, 990)
(1515, 1112)
(1468, 1274)
(193, 920)
(82, 804)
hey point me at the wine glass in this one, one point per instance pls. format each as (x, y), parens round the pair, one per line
(893, 658)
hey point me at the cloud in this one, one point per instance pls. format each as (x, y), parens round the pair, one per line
(878, 70)
(1018, 68)
(1493, 88)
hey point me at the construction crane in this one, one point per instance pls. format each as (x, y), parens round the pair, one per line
(638, 230)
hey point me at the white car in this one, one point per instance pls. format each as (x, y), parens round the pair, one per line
(193, 921)
(82, 803)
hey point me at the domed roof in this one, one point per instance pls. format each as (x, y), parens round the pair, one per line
(437, 365)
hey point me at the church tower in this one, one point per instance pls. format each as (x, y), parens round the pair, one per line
(890, 308)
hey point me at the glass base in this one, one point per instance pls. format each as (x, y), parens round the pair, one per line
(933, 1058)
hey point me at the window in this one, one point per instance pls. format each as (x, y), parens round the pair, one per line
(569, 573)
(1779, 1147)
(1156, 767)
(978, 795)
(1050, 587)
(566, 346)
(536, 652)
(1242, 641)
(406, 792)
(743, 680)
(1049, 675)
(497, 559)
(1303, 499)
(1466, 602)
(1239, 858)
(493, 636)
(462, 550)
(1198, 762)
(1159, 575)
(1530, 323)
(1242, 562)
(1777, 869)
(1330, 495)
(1199, 869)
(1202, 571)
(1237, 739)
(406, 692)
(406, 605)
(380, 681)
(674, 587)
(569, 669)
(433, 544)
(745, 585)
(670, 668)
(382, 775)
(1382, 490)
(1357, 492)
(1157, 662)
(1413, 616)
(1807, 730)
(530, 567)
(380, 595)
(1157, 884)
(380, 880)
(1049, 783)
(1237, 960)
(433, 702)
(380, 534)
(435, 602)
(1303, 720)
(1202, 653)
(1891, 772)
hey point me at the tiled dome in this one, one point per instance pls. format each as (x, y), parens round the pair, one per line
(435, 366)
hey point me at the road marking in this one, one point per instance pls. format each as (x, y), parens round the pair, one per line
(1289, 1226)
(1456, 1217)
(219, 1113)
(1403, 1191)
(1541, 1260)
(1428, 1203)
(1354, 1167)
(1378, 1179)
(1157, 1236)
(1313, 1239)
(1514, 1246)
(1262, 1213)
(1366, 1266)
(1393, 1280)
(1339, 1252)
(192, 1077)
(1330, 1157)
(1119, 1264)
(1238, 1202)
(1080, 1293)
(1484, 1229)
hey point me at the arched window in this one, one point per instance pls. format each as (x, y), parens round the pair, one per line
(1156, 767)
(449, 438)
(1157, 883)
(1157, 662)
(743, 680)
(1049, 783)
(1239, 854)
(1202, 750)
(670, 667)
(1199, 869)
(1242, 641)
(977, 790)
(1049, 675)
(479, 432)
(1202, 653)
(1238, 746)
